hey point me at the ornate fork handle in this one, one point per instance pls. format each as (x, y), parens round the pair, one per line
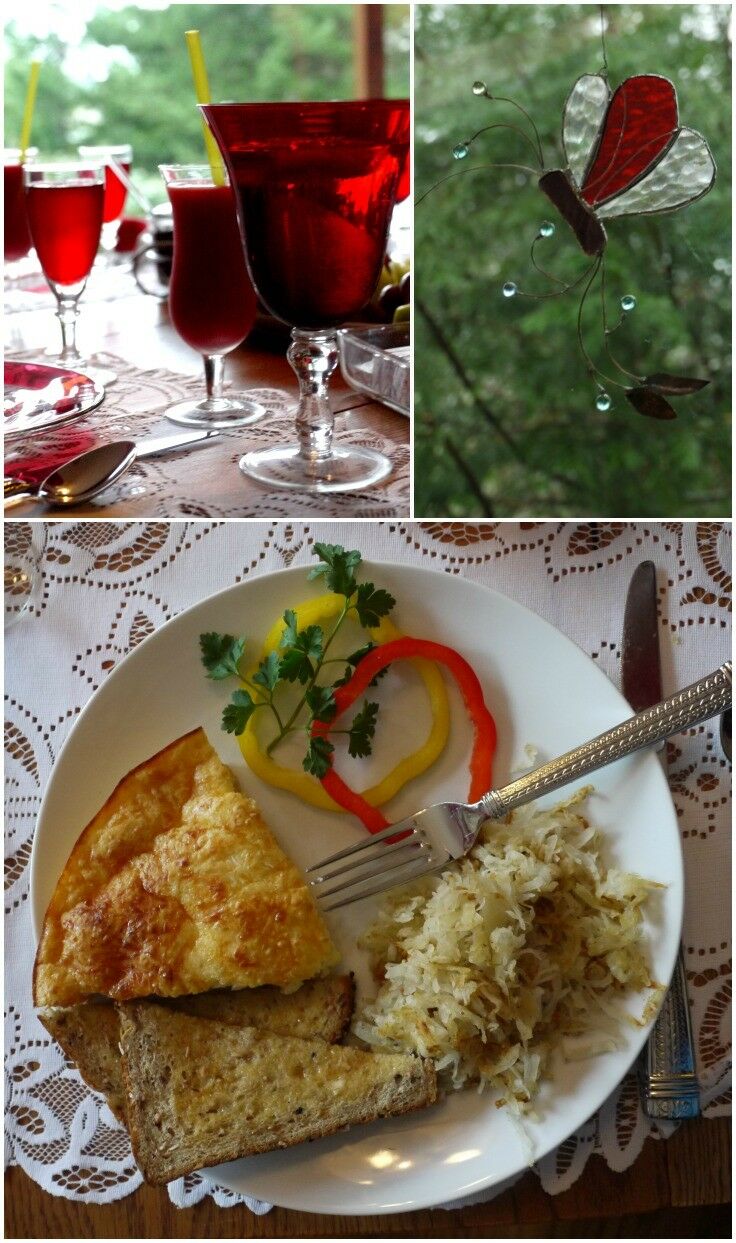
(690, 706)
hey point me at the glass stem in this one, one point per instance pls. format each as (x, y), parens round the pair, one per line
(67, 313)
(214, 375)
(313, 357)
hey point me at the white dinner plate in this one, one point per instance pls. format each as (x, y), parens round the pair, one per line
(542, 690)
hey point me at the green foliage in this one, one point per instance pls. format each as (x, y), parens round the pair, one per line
(363, 730)
(511, 429)
(253, 51)
(221, 654)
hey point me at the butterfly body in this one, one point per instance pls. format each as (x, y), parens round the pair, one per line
(561, 190)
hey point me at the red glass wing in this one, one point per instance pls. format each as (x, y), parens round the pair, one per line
(640, 124)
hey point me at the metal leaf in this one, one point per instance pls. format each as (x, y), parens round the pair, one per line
(650, 403)
(674, 385)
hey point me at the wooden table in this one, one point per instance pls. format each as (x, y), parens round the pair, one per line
(137, 329)
(678, 1188)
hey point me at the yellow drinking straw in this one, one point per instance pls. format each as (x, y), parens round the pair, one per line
(202, 91)
(25, 131)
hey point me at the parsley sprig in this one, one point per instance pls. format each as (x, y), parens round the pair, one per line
(301, 660)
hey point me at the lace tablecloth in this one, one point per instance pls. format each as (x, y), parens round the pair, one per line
(102, 588)
(203, 481)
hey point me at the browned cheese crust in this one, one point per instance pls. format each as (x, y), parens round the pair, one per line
(177, 886)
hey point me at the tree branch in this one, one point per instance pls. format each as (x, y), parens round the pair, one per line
(481, 406)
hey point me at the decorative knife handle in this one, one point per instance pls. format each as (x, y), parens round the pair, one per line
(690, 706)
(667, 1068)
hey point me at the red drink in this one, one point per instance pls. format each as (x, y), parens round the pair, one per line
(211, 300)
(404, 180)
(17, 234)
(115, 193)
(65, 225)
(316, 185)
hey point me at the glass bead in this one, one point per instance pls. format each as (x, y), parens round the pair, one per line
(460, 151)
(603, 402)
(546, 228)
(509, 289)
(628, 302)
(479, 88)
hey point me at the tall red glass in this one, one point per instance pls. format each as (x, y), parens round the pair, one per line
(212, 302)
(316, 185)
(17, 234)
(115, 189)
(115, 193)
(64, 204)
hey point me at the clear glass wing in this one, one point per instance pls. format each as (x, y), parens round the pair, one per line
(582, 120)
(683, 175)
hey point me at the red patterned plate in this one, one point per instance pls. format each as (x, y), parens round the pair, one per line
(39, 397)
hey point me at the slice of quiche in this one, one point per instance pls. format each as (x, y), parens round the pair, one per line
(178, 886)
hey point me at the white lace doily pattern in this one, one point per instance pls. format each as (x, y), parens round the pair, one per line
(101, 588)
(204, 481)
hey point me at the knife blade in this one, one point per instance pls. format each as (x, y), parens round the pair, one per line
(641, 671)
(667, 1067)
(152, 445)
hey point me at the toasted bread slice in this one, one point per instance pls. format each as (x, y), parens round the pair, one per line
(178, 886)
(199, 1093)
(89, 1033)
(319, 1010)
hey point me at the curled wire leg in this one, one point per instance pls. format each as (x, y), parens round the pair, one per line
(477, 168)
(593, 369)
(516, 130)
(607, 332)
(502, 99)
(556, 293)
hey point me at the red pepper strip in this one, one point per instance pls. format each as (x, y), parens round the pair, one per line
(484, 743)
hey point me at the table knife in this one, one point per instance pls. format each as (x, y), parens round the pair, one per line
(667, 1067)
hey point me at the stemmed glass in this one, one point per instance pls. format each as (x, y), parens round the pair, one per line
(64, 203)
(24, 544)
(316, 185)
(212, 303)
(115, 190)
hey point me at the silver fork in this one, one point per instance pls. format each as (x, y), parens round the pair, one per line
(436, 836)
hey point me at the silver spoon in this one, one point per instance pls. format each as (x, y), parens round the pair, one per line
(88, 474)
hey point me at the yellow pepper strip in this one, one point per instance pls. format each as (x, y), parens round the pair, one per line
(315, 612)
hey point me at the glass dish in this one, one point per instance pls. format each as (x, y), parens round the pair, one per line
(376, 361)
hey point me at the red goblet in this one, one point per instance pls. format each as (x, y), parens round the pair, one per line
(316, 185)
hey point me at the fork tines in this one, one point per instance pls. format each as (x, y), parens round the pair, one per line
(396, 863)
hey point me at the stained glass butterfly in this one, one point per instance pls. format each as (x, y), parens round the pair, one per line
(627, 155)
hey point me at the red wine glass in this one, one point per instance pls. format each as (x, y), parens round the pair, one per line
(212, 303)
(64, 203)
(315, 185)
